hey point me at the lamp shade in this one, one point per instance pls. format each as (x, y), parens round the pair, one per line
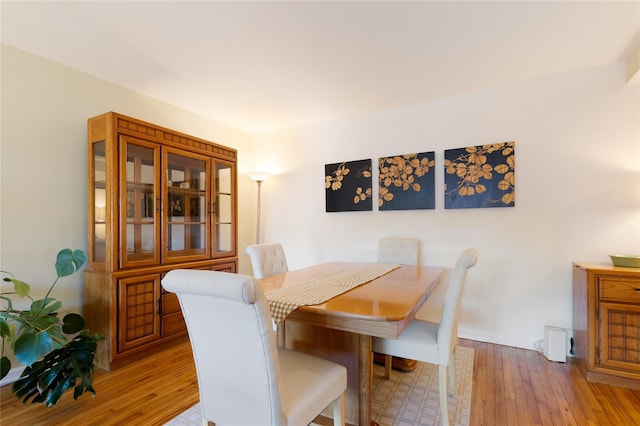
(259, 176)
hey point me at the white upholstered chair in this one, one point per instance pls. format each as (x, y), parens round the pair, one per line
(404, 251)
(267, 259)
(243, 378)
(435, 343)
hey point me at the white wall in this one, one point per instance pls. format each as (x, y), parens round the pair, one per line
(577, 184)
(43, 175)
(577, 193)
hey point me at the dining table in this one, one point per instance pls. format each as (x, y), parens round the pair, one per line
(340, 328)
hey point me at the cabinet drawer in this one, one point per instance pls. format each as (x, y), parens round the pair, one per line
(170, 303)
(172, 324)
(619, 289)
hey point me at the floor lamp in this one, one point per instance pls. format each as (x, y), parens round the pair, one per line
(258, 177)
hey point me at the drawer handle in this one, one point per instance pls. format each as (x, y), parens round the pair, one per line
(638, 289)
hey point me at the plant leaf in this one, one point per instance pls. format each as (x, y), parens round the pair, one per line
(73, 323)
(61, 369)
(45, 307)
(5, 366)
(30, 347)
(5, 330)
(69, 262)
(21, 288)
(58, 390)
(57, 335)
(36, 323)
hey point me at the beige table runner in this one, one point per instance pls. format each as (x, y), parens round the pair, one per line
(282, 302)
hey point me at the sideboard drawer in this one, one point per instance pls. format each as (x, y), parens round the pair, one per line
(619, 289)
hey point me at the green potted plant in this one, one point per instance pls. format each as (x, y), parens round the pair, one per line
(38, 339)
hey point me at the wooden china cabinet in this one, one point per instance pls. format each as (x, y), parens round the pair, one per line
(158, 200)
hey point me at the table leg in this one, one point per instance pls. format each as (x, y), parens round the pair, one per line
(349, 349)
(366, 377)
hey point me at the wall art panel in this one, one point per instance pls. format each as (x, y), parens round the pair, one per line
(348, 186)
(406, 182)
(480, 176)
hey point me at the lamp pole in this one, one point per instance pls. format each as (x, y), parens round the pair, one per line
(259, 177)
(259, 182)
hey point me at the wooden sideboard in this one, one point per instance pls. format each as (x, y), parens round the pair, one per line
(606, 323)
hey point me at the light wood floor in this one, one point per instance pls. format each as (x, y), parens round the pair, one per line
(510, 387)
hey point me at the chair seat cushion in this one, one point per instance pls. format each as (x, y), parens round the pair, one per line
(418, 341)
(308, 385)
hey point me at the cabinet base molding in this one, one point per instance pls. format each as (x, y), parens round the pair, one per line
(608, 379)
(129, 357)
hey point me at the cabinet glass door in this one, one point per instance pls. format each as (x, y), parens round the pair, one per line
(186, 225)
(99, 197)
(139, 196)
(224, 211)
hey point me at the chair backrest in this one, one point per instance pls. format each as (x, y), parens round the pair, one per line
(234, 348)
(404, 251)
(267, 259)
(448, 329)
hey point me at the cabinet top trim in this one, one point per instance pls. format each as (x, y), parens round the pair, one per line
(139, 128)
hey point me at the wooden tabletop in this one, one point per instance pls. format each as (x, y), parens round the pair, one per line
(382, 307)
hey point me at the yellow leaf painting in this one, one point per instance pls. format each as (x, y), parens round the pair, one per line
(480, 176)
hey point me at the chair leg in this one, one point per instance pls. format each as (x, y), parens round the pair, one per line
(442, 390)
(338, 411)
(453, 386)
(388, 365)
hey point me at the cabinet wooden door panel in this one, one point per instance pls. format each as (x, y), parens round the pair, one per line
(138, 315)
(619, 336)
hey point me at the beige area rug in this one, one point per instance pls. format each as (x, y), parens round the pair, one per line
(406, 399)
(412, 399)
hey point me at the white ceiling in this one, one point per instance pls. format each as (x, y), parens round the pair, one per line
(264, 66)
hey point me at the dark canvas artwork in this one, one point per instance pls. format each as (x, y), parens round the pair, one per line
(480, 176)
(406, 182)
(348, 186)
